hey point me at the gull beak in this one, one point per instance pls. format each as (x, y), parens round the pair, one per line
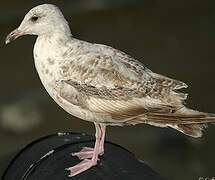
(13, 35)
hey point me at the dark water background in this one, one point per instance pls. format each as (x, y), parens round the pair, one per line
(176, 38)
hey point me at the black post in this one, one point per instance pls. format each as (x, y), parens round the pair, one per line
(47, 158)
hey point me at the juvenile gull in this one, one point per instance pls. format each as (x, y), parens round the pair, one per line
(103, 85)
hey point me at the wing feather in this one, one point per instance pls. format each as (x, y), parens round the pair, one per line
(116, 84)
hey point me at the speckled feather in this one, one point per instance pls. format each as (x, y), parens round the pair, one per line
(101, 84)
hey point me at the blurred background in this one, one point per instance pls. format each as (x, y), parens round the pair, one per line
(174, 38)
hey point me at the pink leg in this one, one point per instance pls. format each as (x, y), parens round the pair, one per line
(87, 152)
(88, 163)
(101, 145)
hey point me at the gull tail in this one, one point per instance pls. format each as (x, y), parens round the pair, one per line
(193, 130)
(187, 121)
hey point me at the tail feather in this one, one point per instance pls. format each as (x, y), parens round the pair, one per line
(187, 121)
(181, 119)
(194, 130)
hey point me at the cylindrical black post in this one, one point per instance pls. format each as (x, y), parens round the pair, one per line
(48, 157)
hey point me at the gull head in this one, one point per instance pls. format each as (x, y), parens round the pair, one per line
(45, 19)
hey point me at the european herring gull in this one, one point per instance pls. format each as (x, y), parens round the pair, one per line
(103, 85)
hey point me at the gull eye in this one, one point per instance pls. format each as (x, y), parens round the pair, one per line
(34, 18)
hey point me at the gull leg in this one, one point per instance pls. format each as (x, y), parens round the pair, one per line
(101, 145)
(88, 163)
(87, 152)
